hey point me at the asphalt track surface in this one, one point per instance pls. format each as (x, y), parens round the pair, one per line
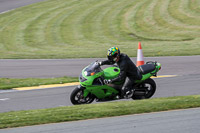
(178, 65)
(7, 5)
(180, 121)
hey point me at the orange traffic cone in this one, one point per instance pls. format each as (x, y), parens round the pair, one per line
(140, 60)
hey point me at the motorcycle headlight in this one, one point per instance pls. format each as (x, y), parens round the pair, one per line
(86, 73)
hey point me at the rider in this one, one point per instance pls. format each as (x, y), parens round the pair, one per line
(128, 70)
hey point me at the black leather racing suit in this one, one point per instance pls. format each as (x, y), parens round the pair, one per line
(128, 72)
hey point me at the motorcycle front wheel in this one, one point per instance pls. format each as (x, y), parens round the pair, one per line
(78, 98)
(145, 90)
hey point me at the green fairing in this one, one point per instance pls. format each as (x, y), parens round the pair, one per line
(90, 79)
(99, 91)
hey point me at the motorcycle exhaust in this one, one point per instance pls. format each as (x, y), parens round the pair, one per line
(139, 93)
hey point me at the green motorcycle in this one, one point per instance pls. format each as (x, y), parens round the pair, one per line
(92, 84)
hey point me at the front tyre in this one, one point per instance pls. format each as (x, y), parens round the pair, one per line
(146, 88)
(78, 98)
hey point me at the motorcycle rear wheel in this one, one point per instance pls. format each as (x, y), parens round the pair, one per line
(150, 87)
(78, 98)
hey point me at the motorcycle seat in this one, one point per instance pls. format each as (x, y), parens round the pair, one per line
(146, 68)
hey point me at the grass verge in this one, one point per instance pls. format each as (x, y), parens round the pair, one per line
(91, 111)
(87, 28)
(8, 83)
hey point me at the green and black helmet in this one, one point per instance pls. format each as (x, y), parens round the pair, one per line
(113, 54)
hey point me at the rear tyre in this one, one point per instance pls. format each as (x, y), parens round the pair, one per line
(146, 88)
(78, 98)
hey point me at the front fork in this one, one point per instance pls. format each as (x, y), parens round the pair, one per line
(85, 91)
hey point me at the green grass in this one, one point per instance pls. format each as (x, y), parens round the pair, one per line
(8, 83)
(87, 28)
(109, 109)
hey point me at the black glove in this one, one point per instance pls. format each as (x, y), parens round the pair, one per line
(107, 81)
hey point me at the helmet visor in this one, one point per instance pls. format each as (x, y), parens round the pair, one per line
(113, 57)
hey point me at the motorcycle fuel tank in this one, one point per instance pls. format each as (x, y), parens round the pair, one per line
(111, 72)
